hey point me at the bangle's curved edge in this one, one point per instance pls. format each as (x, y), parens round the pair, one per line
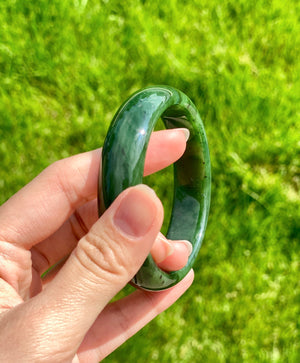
(176, 110)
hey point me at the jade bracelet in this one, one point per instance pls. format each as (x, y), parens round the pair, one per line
(123, 158)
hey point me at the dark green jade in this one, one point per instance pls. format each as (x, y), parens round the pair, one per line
(123, 159)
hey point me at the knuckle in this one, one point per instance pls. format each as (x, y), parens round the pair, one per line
(78, 225)
(56, 168)
(68, 179)
(103, 257)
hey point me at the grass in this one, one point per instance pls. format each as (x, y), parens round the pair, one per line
(66, 66)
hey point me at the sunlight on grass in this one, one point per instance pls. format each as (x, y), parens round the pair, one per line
(66, 66)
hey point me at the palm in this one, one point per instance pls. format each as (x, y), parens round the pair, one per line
(41, 226)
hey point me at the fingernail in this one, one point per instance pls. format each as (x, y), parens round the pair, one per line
(188, 246)
(162, 249)
(186, 132)
(137, 211)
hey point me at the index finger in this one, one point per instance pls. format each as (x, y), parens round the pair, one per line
(43, 205)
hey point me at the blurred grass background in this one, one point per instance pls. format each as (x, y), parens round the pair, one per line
(67, 65)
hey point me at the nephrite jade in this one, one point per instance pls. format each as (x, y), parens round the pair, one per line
(123, 158)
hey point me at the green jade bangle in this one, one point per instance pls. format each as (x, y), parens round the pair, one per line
(123, 159)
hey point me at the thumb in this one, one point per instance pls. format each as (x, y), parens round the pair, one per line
(105, 259)
(109, 255)
(116, 246)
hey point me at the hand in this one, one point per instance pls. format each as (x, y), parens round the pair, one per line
(67, 317)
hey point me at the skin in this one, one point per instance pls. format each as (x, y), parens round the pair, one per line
(67, 316)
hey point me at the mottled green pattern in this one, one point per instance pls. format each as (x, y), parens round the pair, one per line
(123, 160)
(65, 68)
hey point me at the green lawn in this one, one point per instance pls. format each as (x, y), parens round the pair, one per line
(67, 65)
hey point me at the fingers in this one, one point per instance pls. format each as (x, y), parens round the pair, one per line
(105, 259)
(8, 297)
(164, 146)
(62, 242)
(118, 243)
(42, 206)
(122, 319)
(171, 255)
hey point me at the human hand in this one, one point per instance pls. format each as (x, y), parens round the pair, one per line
(67, 317)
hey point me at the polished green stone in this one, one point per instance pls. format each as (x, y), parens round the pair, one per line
(123, 160)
